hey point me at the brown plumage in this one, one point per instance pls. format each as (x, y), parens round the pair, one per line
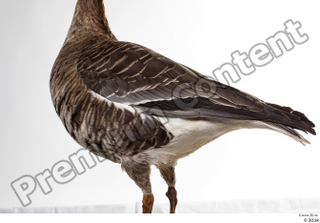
(133, 106)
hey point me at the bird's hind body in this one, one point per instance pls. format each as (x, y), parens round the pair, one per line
(133, 106)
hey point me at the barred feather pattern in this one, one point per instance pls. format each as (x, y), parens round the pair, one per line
(106, 128)
(133, 75)
(110, 94)
(134, 106)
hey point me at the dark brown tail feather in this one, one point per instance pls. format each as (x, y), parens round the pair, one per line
(298, 120)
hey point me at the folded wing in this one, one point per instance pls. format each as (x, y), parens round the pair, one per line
(133, 75)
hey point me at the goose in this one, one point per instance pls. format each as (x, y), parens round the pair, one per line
(133, 106)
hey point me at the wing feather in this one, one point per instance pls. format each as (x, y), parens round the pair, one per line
(130, 74)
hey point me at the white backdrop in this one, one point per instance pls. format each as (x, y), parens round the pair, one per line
(246, 164)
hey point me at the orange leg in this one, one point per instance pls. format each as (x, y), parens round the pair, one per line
(167, 172)
(147, 203)
(172, 195)
(140, 173)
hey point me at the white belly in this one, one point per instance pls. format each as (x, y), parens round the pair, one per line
(190, 135)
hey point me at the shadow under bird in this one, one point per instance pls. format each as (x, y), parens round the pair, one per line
(133, 106)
